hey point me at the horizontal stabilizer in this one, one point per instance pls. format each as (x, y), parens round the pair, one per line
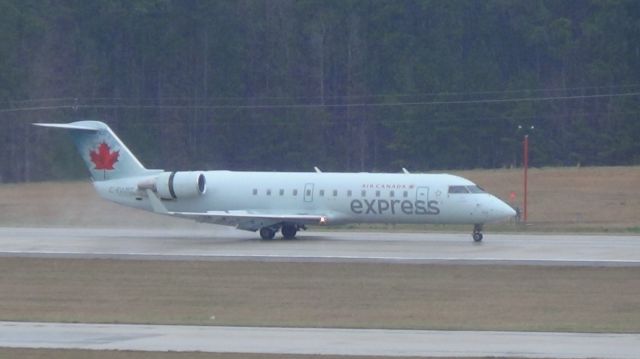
(68, 126)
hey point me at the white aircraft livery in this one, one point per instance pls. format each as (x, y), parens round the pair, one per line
(280, 201)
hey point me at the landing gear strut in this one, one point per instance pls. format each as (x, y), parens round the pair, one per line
(267, 233)
(477, 233)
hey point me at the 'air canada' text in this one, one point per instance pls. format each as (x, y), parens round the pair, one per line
(383, 206)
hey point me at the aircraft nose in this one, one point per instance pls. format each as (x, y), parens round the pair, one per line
(501, 210)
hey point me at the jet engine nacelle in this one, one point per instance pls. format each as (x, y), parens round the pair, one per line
(174, 185)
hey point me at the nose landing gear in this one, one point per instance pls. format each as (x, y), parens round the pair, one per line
(477, 233)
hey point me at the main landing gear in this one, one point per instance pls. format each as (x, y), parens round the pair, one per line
(477, 233)
(288, 230)
(267, 233)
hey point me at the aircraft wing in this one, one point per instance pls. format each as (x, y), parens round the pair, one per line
(246, 220)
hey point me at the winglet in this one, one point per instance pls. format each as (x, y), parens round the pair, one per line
(156, 204)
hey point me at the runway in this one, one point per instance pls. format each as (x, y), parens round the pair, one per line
(221, 243)
(227, 244)
(318, 341)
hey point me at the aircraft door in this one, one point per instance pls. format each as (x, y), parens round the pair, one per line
(308, 192)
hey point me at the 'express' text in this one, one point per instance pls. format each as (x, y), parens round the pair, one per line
(383, 206)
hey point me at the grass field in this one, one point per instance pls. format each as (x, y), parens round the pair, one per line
(348, 295)
(569, 199)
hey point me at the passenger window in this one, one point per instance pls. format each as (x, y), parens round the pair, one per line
(377, 193)
(321, 193)
(349, 193)
(335, 193)
(458, 189)
(268, 192)
(405, 194)
(295, 192)
(391, 194)
(281, 192)
(308, 193)
(363, 193)
(255, 191)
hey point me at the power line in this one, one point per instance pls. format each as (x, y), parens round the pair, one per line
(319, 105)
(348, 97)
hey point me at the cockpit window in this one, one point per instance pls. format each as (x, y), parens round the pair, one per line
(465, 189)
(475, 189)
(458, 189)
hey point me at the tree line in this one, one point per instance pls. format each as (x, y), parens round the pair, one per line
(345, 85)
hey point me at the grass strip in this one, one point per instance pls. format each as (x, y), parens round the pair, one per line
(348, 295)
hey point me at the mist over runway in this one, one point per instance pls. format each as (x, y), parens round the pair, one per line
(221, 243)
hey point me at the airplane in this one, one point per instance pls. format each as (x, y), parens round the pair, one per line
(287, 202)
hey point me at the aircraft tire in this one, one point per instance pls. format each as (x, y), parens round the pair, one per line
(477, 237)
(267, 233)
(289, 231)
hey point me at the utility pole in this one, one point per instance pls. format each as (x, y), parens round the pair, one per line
(525, 157)
(525, 165)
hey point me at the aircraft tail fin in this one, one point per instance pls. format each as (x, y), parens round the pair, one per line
(102, 151)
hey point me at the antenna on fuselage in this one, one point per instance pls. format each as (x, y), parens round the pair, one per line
(317, 169)
(405, 171)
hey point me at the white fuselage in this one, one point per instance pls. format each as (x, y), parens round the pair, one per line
(340, 197)
(279, 201)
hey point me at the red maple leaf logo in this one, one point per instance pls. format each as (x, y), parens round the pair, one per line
(103, 158)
